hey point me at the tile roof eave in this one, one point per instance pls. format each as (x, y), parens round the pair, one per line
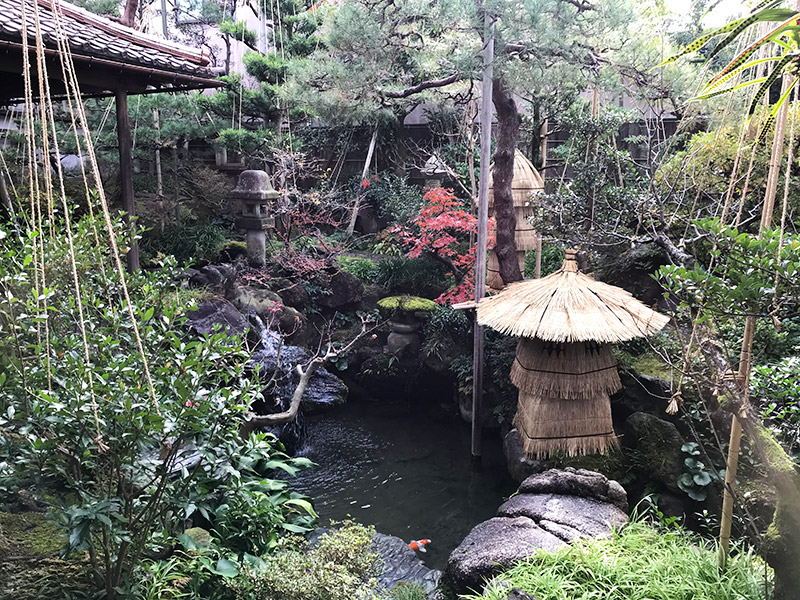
(154, 76)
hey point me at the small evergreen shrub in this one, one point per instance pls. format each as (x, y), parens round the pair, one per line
(415, 276)
(363, 269)
(193, 243)
(341, 566)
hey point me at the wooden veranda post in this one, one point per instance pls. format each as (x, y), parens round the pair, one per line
(126, 173)
(483, 228)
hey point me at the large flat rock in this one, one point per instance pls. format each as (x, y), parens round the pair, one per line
(567, 517)
(552, 509)
(493, 546)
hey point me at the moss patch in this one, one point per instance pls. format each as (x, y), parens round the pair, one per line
(651, 364)
(612, 464)
(28, 534)
(407, 303)
(30, 571)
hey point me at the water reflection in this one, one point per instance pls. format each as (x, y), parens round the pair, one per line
(404, 473)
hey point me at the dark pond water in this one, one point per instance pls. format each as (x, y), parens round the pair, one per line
(404, 473)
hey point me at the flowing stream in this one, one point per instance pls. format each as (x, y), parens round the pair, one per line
(406, 474)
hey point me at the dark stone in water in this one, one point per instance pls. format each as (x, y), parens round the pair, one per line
(323, 392)
(211, 314)
(400, 563)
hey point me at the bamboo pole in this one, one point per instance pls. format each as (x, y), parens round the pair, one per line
(743, 373)
(483, 228)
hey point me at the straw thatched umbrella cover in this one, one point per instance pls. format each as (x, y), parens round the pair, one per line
(564, 368)
(568, 306)
(573, 427)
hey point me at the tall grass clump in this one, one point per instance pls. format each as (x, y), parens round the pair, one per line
(637, 563)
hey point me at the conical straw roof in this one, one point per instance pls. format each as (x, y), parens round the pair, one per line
(568, 306)
(525, 182)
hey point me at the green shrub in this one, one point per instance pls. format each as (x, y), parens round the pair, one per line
(776, 390)
(341, 566)
(363, 269)
(396, 199)
(187, 242)
(552, 259)
(638, 563)
(446, 330)
(405, 590)
(122, 468)
(414, 276)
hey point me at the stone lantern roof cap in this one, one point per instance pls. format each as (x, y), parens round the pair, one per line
(254, 185)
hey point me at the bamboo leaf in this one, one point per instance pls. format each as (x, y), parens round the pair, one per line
(760, 5)
(768, 13)
(750, 50)
(764, 15)
(744, 67)
(711, 94)
(702, 41)
(773, 114)
(776, 72)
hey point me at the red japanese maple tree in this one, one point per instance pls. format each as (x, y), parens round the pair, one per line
(442, 230)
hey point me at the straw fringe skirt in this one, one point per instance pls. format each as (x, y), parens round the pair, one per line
(573, 427)
(579, 370)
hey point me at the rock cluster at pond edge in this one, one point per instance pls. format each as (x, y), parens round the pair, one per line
(550, 510)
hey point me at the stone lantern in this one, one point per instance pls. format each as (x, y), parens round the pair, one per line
(435, 171)
(254, 192)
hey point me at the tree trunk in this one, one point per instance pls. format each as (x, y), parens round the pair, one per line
(129, 15)
(507, 134)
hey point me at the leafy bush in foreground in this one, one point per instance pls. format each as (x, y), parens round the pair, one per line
(127, 461)
(638, 563)
(341, 566)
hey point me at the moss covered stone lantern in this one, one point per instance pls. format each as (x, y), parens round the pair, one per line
(254, 193)
(405, 317)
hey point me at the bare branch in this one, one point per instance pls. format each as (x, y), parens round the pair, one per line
(425, 85)
(257, 421)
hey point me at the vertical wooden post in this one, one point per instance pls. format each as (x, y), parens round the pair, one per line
(126, 174)
(483, 227)
(351, 227)
(159, 175)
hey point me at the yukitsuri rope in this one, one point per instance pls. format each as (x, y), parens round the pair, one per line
(785, 203)
(48, 118)
(72, 86)
(35, 199)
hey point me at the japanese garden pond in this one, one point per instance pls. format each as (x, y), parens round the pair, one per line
(407, 474)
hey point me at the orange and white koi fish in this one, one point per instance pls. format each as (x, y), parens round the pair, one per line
(419, 545)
